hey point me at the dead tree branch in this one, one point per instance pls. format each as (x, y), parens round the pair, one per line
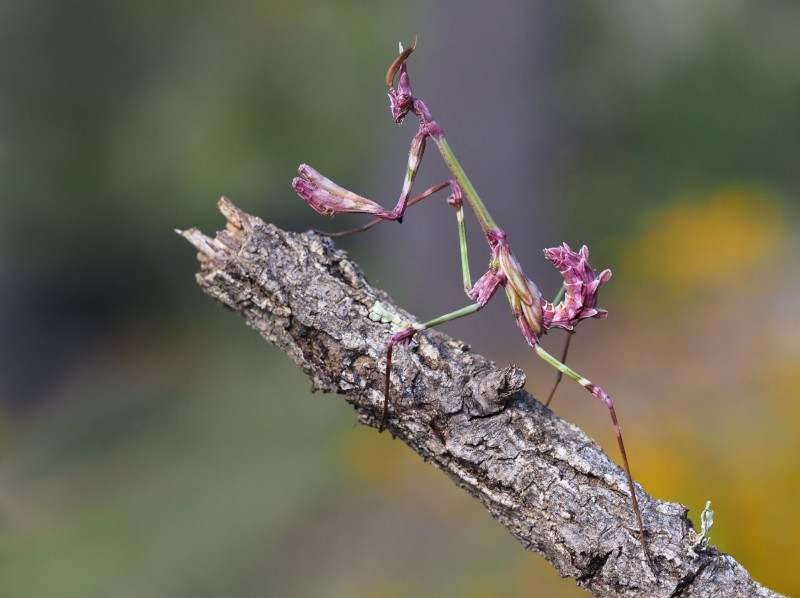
(549, 484)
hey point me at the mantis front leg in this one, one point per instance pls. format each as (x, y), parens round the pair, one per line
(369, 225)
(327, 197)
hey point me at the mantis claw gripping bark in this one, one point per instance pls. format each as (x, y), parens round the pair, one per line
(533, 315)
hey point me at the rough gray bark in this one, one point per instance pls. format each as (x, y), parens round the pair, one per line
(548, 483)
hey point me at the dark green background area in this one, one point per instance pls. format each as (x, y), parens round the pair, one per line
(152, 445)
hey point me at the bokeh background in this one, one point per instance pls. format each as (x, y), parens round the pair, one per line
(152, 445)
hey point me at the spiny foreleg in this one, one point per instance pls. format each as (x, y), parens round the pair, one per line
(329, 198)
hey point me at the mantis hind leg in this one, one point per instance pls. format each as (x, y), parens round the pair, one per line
(556, 300)
(600, 394)
(560, 373)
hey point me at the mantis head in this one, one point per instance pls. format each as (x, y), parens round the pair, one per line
(400, 100)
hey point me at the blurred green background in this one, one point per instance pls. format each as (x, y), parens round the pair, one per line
(152, 445)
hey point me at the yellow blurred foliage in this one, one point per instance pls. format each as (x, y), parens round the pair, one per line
(376, 460)
(780, 377)
(689, 246)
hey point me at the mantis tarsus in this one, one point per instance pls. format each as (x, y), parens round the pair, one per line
(533, 315)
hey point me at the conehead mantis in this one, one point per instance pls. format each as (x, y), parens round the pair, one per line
(533, 315)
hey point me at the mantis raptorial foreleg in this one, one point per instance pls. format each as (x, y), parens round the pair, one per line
(369, 225)
(327, 197)
(532, 314)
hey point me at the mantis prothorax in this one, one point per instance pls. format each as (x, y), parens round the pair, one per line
(533, 315)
